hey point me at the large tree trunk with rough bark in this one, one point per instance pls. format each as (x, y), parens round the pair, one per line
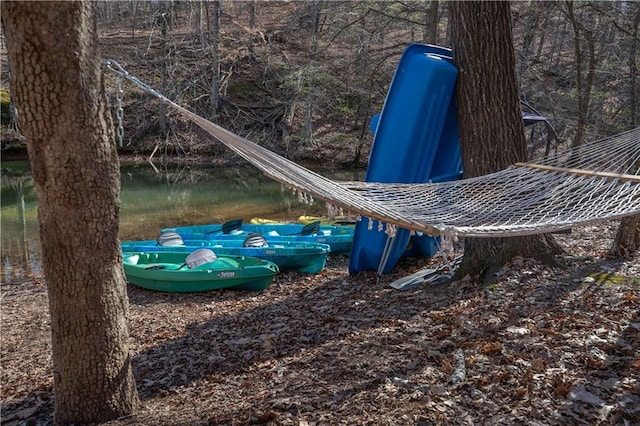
(57, 78)
(491, 128)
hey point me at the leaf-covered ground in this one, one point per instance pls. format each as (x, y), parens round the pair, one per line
(540, 346)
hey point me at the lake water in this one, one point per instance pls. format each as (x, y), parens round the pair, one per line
(152, 197)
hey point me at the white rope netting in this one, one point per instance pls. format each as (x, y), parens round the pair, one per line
(591, 183)
(521, 200)
(594, 182)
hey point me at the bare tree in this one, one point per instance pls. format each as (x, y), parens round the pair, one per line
(214, 89)
(532, 20)
(491, 129)
(430, 33)
(315, 11)
(57, 79)
(633, 68)
(199, 15)
(628, 236)
(252, 13)
(585, 57)
(633, 18)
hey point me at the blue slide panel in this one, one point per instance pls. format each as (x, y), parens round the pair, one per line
(415, 140)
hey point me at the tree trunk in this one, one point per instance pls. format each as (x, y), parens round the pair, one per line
(530, 30)
(558, 44)
(490, 123)
(430, 32)
(133, 13)
(165, 28)
(214, 89)
(584, 84)
(315, 9)
(633, 68)
(198, 9)
(628, 237)
(56, 74)
(252, 14)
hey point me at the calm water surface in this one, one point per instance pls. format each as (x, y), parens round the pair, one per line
(152, 197)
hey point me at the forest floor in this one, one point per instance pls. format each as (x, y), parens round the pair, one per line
(541, 346)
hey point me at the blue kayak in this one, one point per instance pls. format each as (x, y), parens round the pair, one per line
(339, 238)
(416, 140)
(297, 256)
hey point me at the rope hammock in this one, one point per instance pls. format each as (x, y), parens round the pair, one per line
(590, 183)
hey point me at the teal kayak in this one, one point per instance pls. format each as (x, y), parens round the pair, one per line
(338, 237)
(298, 256)
(176, 272)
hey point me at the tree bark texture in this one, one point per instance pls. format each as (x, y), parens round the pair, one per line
(430, 34)
(627, 238)
(490, 122)
(584, 84)
(57, 78)
(214, 90)
(633, 67)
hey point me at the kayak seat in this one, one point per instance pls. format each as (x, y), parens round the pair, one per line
(219, 263)
(132, 260)
(162, 266)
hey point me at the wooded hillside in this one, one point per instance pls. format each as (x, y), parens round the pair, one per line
(304, 78)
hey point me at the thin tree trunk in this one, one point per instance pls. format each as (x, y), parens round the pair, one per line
(162, 108)
(542, 38)
(307, 124)
(430, 34)
(633, 70)
(133, 7)
(252, 14)
(199, 21)
(628, 236)
(214, 90)
(584, 84)
(558, 44)
(529, 32)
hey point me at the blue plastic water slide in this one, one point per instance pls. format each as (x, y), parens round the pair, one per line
(416, 140)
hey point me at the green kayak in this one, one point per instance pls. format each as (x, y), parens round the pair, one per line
(201, 270)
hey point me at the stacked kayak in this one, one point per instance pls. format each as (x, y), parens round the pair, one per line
(415, 141)
(306, 220)
(200, 270)
(338, 237)
(300, 256)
